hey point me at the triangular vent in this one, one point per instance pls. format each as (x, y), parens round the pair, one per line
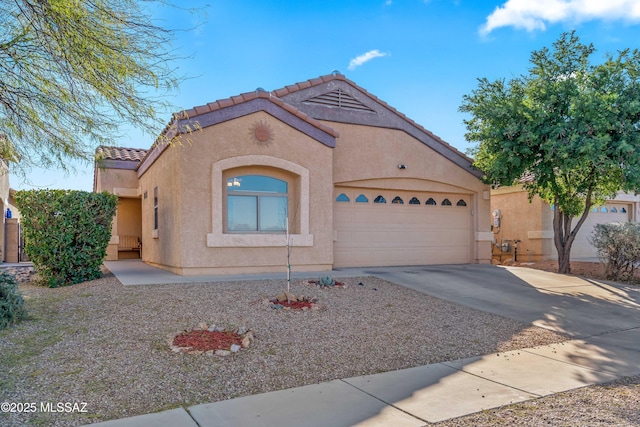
(338, 98)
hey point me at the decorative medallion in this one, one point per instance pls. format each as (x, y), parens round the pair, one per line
(261, 133)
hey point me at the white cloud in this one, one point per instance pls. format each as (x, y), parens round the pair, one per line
(534, 15)
(366, 57)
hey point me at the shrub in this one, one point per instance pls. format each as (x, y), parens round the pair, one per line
(618, 246)
(326, 281)
(66, 233)
(11, 303)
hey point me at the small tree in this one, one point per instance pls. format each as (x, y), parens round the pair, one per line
(618, 246)
(66, 233)
(573, 127)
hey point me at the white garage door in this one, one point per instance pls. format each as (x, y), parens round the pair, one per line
(582, 248)
(378, 228)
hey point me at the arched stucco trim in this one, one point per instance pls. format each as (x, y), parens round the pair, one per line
(218, 239)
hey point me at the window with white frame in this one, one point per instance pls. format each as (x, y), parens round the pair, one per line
(256, 203)
(155, 208)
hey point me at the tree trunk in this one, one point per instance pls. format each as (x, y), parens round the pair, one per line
(564, 235)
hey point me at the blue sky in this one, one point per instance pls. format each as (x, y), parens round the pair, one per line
(419, 56)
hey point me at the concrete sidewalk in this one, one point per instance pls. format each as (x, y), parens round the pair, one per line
(432, 393)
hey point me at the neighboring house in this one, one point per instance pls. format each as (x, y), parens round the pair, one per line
(515, 219)
(353, 181)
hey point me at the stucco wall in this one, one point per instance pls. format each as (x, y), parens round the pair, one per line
(368, 156)
(522, 220)
(188, 179)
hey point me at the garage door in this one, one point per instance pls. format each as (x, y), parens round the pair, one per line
(378, 228)
(582, 248)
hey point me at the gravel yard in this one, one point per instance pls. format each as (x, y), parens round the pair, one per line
(105, 344)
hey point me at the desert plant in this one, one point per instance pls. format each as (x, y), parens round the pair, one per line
(326, 281)
(66, 233)
(12, 307)
(618, 246)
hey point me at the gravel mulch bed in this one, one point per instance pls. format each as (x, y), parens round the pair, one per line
(614, 404)
(105, 344)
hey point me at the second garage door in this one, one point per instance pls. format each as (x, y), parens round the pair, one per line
(383, 228)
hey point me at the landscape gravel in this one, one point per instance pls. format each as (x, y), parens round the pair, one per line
(105, 344)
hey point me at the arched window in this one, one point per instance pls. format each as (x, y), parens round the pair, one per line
(623, 210)
(614, 210)
(256, 203)
(430, 202)
(446, 202)
(397, 201)
(604, 209)
(594, 209)
(414, 201)
(379, 199)
(362, 199)
(461, 203)
(342, 198)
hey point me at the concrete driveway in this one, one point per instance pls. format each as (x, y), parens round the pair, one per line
(578, 307)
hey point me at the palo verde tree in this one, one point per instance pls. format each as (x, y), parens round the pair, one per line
(572, 127)
(73, 72)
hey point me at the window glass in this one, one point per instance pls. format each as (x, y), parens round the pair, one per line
(242, 213)
(362, 199)
(155, 208)
(256, 183)
(342, 198)
(397, 201)
(614, 210)
(414, 201)
(380, 199)
(430, 202)
(256, 203)
(446, 202)
(623, 210)
(604, 209)
(461, 203)
(272, 213)
(594, 209)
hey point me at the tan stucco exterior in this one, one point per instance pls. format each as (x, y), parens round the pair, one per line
(531, 222)
(315, 147)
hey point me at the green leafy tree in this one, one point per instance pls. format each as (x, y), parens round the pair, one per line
(66, 233)
(570, 127)
(73, 72)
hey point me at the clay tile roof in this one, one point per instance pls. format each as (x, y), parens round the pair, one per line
(121, 153)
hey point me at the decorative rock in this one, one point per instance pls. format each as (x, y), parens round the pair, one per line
(247, 339)
(281, 297)
(242, 330)
(202, 326)
(235, 348)
(222, 353)
(277, 306)
(212, 328)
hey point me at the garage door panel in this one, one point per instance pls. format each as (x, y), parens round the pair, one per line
(369, 234)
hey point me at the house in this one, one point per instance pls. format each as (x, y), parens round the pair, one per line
(528, 226)
(350, 180)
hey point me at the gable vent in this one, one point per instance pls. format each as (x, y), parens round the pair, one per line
(338, 98)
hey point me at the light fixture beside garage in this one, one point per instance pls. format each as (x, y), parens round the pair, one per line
(401, 166)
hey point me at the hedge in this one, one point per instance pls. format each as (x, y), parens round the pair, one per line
(66, 233)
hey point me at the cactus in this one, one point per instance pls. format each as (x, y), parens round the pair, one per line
(326, 281)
